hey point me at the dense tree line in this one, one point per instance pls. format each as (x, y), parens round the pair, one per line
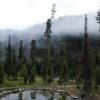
(68, 53)
(71, 58)
(65, 59)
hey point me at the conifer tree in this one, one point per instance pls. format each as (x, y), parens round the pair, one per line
(44, 69)
(1, 74)
(14, 64)
(32, 68)
(21, 53)
(86, 71)
(64, 70)
(1, 66)
(22, 63)
(8, 62)
(33, 51)
(0, 50)
(97, 68)
(24, 73)
(50, 65)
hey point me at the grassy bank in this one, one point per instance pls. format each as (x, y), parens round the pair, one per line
(70, 87)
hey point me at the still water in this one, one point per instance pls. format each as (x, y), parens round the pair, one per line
(38, 95)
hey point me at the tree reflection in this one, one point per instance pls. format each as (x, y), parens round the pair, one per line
(33, 95)
(63, 97)
(20, 95)
(51, 96)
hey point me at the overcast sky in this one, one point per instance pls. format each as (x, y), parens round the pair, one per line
(19, 14)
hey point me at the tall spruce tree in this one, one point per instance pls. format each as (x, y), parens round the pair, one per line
(86, 70)
(22, 63)
(0, 50)
(50, 64)
(1, 65)
(97, 68)
(44, 69)
(14, 64)
(1, 74)
(21, 53)
(33, 51)
(64, 70)
(32, 67)
(8, 62)
(24, 73)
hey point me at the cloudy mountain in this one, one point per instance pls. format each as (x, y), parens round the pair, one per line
(62, 25)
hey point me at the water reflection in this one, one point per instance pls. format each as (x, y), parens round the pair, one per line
(37, 95)
(20, 95)
(33, 95)
(10, 97)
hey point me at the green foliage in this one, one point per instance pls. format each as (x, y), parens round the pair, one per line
(8, 63)
(87, 64)
(21, 52)
(32, 65)
(63, 97)
(14, 65)
(44, 70)
(24, 73)
(65, 63)
(64, 70)
(22, 63)
(1, 74)
(50, 67)
(31, 74)
(33, 51)
(1, 51)
(97, 75)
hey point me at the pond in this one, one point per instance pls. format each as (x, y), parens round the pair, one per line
(37, 95)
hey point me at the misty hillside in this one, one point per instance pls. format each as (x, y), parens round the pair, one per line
(62, 25)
